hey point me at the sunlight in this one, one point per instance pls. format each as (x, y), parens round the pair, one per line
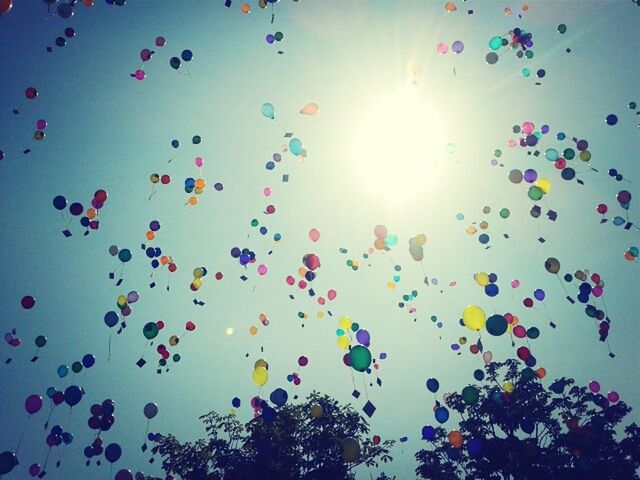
(398, 145)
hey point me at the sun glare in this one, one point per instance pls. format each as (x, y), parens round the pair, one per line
(398, 145)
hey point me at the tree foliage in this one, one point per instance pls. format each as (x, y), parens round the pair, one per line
(561, 432)
(292, 445)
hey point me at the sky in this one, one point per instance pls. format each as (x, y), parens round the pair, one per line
(404, 137)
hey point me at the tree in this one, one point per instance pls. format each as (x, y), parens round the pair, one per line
(318, 439)
(563, 432)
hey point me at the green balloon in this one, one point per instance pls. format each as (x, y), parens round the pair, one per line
(76, 367)
(533, 333)
(41, 341)
(504, 213)
(535, 193)
(495, 43)
(470, 395)
(360, 358)
(354, 327)
(562, 28)
(150, 330)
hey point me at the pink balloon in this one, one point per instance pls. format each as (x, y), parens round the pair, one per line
(262, 269)
(519, 331)
(321, 300)
(613, 397)
(527, 127)
(140, 75)
(515, 283)
(332, 294)
(380, 232)
(314, 235)
(199, 161)
(266, 191)
(270, 209)
(290, 280)
(442, 48)
(41, 124)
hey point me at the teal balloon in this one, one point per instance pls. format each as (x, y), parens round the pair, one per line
(495, 43)
(551, 154)
(268, 110)
(150, 330)
(470, 395)
(496, 325)
(295, 146)
(391, 240)
(360, 358)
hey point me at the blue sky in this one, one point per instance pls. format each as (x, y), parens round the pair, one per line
(107, 130)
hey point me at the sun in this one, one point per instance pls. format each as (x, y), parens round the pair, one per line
(397, 146)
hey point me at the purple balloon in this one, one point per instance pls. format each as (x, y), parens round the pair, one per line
(530, 175)
(457, 47)
(613, 397)
(34, 469)
(594, 386)
(112, 452)
(363, 337)
(124, 474)
(33, 404)
(539, 294)
(623, 196)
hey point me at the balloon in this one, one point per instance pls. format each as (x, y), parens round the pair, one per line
(470, 394)
(552, 265)
(481, 279)
(314, 235)
(455, 438)
(363, 337)
(73, 395)
(380, 231)
(428, 432)
(268, 110)
(310, 109)
(59, 202)
(474, 317)
(111, 319)
(316, 411)
(8, 461)
(496, 325)
(279, 397)
(433, 385)
(350, 449)
(124, 474)
(33, 404)
(260, 376)
(311, 261)
(113, 452)
(487, 357)
(442, 414)
(295, 146)
(88, 360)
(186, 55)
(457, 47)
(175, 63)
(124, 255)
(5, 7)
(360, 358)
(150, 330)
(150, 410)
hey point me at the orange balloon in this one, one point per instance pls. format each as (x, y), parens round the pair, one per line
(379, 244)
(455, 438)
(91, 212)
(541, 372)
(193, 201)
(164, 260)
(629, 256)
(245, 8)
(253, 330)
(5, 6)
(199, 184)
(88, 3)
(151, 235)
(450, 7)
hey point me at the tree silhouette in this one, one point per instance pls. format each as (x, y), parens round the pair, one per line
(318, 439)
(561, 432)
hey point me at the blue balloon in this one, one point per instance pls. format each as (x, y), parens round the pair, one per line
(474, 447)
(111, 319)
(268, 110)
(56, 430)
(88, 451)
(113, 452)
(63, 370)
(279, 397)
(442, 414)
(67, 438)
(186, 55)
(527, 425)
(433, 385)
(73, 395)
(235, 252)
(428, 432)
(244, 258)
(268, 414)
(59, 202)
(51, 392)
(295, 146)
(88, 360)
(235, 402)
(491, 290)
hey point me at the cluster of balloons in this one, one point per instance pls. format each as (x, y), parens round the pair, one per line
(87, 361)
(161, 349)
(260, 372)
(192, 185)
(198, 274)
(61, 41)
(90, 218)
(145, 56)
(384, 241)
(307, 273)
(185, 55)
(416, 245)
(632, 253)
(155, 253)
(244, 256)
(517, 39)
(456, 47)
(276, 37)
(102, 416)
(488, 282)
(359, 356)
(123, 302)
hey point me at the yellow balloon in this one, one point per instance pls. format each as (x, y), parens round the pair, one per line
(481, 279)
(350, 449)
(421, 239)
(197, 282)
(544, 184)
(197, 272)
(316, 411)
(343, 342)
(508, 387)
(122, 300)
(345, 322)
(473, 317)
(260, 376)
(261, 363)
(174, 340)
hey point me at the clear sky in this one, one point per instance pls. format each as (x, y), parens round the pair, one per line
(408, 148)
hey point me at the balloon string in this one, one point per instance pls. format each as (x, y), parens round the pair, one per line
(109, 357)
(24, 429)
(53, 405)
